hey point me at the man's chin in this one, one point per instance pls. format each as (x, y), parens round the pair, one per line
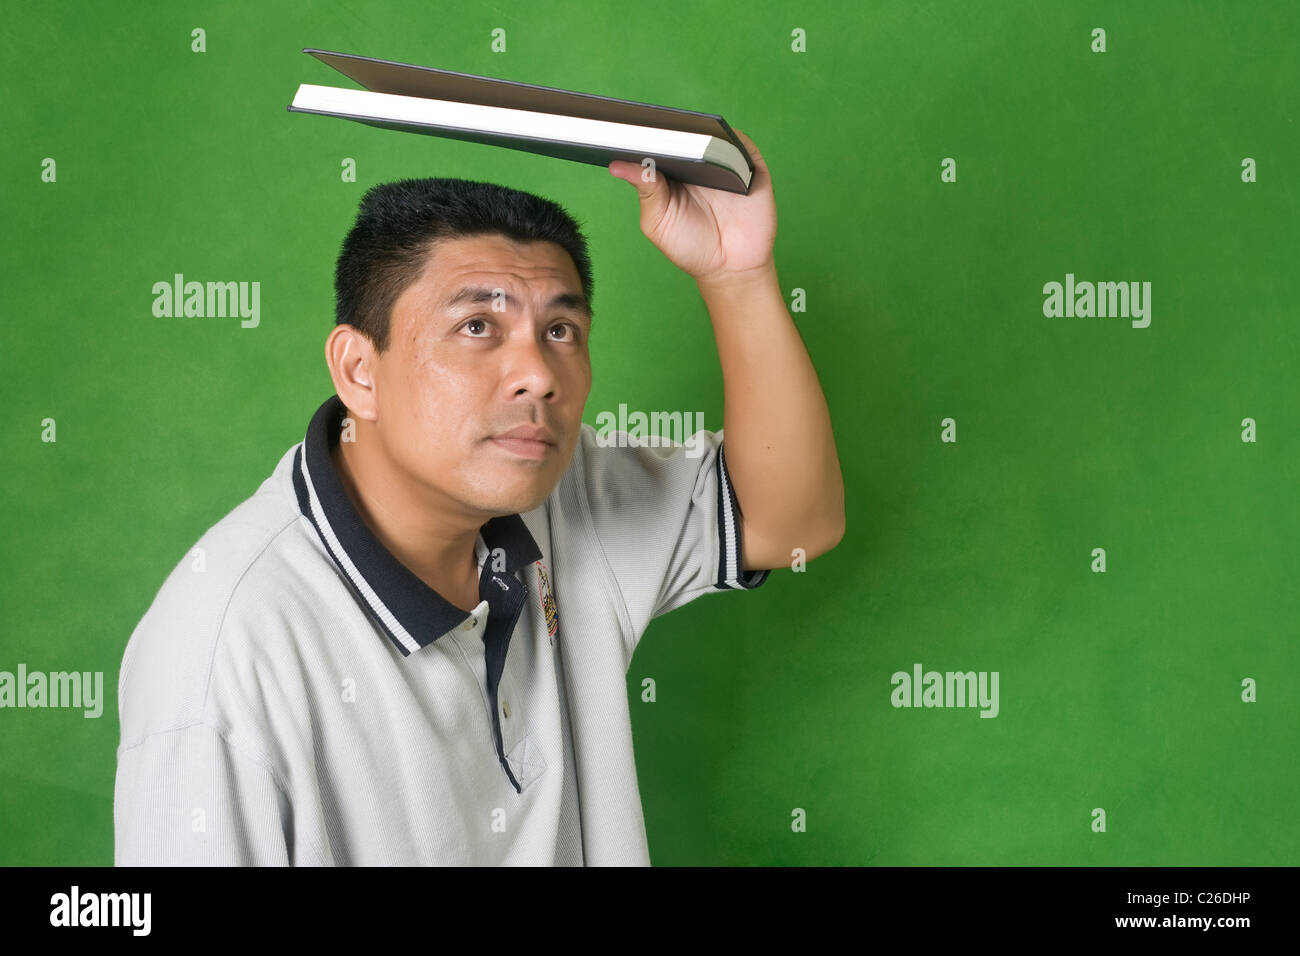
(520, 500)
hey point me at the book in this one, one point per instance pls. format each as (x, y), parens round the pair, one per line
(688, 146)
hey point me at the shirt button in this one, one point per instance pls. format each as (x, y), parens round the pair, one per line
(470, 624)
(505, 705)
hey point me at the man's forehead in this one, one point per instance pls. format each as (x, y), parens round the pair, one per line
(473, 273)
(465, 273)
(473, 259)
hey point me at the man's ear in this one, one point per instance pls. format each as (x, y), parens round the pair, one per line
(351, 360)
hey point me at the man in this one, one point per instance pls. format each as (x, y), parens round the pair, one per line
(410, 646)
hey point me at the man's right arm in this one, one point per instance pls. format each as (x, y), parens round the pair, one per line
(189, 797)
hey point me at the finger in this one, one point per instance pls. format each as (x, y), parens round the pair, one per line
(627, 171)
(652, 188)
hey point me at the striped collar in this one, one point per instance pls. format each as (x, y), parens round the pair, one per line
(402, 606)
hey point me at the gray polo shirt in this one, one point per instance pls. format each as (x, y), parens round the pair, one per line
(295, 695)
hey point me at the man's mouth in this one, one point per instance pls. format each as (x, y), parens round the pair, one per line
(525, 447)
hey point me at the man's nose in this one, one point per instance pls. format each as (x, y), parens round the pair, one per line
(527, 366)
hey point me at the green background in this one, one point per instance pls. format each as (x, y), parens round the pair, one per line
(1119, 690)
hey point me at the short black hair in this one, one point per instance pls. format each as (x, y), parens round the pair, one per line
(399, 224)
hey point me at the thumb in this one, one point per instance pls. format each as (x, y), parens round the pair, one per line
(651, 187)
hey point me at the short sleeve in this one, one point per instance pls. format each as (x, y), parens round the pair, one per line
(667, 519)
(187, 797)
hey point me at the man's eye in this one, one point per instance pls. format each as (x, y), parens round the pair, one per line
(473, 326)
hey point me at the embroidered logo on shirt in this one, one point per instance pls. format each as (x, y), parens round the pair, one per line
(548, 600)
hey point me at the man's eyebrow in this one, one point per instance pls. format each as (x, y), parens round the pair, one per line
(480, 294)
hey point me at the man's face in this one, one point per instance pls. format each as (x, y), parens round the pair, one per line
(492, 336)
